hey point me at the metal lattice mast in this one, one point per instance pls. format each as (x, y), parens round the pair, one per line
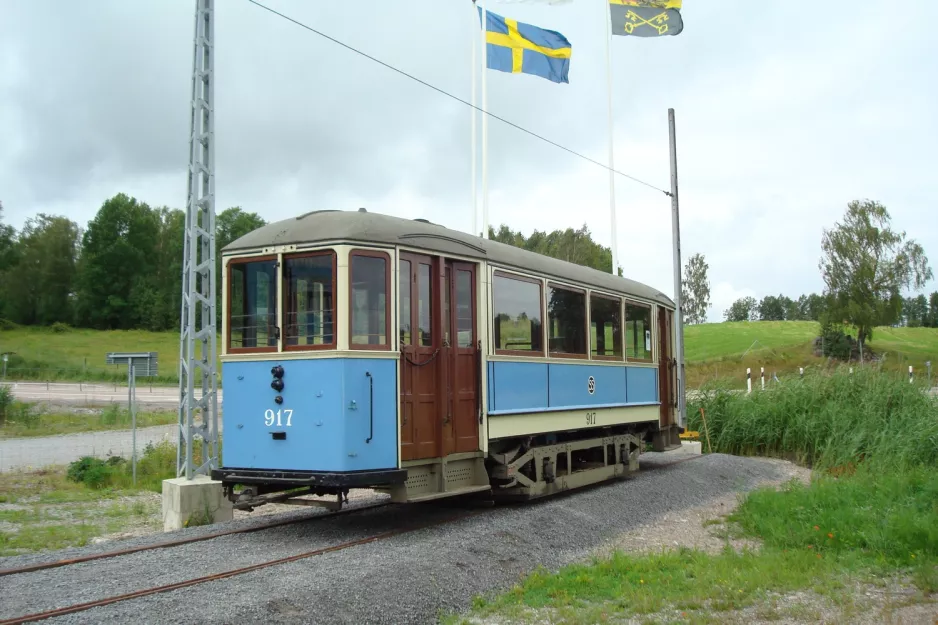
(197, 367)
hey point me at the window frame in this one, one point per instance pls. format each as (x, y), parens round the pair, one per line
(335, 299)
(244, 260)
(586, 320)
(651, 326)
(620, 302)
(389, 301)
(519, 352)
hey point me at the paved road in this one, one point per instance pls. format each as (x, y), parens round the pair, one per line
(82, 393)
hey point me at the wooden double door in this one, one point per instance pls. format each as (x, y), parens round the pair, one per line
(440, 357)
(667, 367)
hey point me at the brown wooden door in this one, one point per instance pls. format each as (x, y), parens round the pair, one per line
(461, 377)
(666, 368)
(421, 365)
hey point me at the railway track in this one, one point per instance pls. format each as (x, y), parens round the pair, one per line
(185, 541)
(81, 607)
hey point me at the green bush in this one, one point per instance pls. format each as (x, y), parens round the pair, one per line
(6, 402)
(835, 343)
(89, 470)
(155, 463)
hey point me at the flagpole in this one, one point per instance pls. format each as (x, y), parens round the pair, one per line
(485, 125)
(472, 111)
(607, 20)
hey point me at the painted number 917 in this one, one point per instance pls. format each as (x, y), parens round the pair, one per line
(590, 418)
(276, 418)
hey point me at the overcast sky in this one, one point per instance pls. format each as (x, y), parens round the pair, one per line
(785, 113)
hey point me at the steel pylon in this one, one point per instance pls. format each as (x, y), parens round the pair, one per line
(198, 339)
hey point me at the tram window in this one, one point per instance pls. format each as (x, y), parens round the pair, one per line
(566, 314)
(424, 312)
(605, 327)
(637, 332)
(369, 300)
(309, 307)
(517, 314)
(405, 280)
(464, 310)
(252, 305)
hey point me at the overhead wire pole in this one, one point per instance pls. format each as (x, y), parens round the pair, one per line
(679, 305)
(607, 21)
(197, 316)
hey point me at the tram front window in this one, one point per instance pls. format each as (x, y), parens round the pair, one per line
(252, 307)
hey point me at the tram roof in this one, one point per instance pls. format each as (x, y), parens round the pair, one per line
(334, 226)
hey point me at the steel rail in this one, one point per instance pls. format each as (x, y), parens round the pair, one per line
(185, 541)
(81, 607)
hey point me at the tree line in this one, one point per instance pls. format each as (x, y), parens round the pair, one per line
(123, 270)
(865, 266)
(915, 312)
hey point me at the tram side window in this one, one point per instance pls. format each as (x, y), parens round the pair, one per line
(566, 314)
(606, 327)
(252, 305)
(517, 315)
(369, 300)
(637, 332)
(309, 281)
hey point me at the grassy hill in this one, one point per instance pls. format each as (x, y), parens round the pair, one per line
(725, 350)
(714, 350)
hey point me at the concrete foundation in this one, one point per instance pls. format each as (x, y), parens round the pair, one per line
(199, 501)
(691, 447)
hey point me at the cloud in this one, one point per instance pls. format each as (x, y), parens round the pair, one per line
(781, 121)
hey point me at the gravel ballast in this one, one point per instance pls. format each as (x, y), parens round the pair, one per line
(409, 578)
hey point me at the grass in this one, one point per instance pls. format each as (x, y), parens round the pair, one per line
(26, 419)
(869, 513)
(79, 354)
(60, 507)
(43, 510)
(723, 351)
(822, 538)
(826, 420)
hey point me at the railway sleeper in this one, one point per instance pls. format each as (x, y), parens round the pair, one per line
(549, 469)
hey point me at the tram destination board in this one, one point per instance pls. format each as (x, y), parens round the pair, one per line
(146, 364)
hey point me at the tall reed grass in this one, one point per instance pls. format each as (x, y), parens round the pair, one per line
(829, 420)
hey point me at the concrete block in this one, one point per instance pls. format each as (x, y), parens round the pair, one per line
(199, 501)
(691, 447)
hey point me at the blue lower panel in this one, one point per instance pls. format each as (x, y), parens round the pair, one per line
(517, 385)
(361, 424)
(642, 385)
(570, 385)
(534, 386)
(323, 429)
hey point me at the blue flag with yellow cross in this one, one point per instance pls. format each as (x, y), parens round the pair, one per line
(516, 47)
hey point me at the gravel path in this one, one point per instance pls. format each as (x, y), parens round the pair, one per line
(409, 578)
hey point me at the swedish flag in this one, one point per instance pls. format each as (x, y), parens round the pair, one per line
(521, 48)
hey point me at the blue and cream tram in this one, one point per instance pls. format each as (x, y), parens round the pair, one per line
(367, 351)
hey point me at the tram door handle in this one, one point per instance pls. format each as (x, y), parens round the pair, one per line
(449, 381)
